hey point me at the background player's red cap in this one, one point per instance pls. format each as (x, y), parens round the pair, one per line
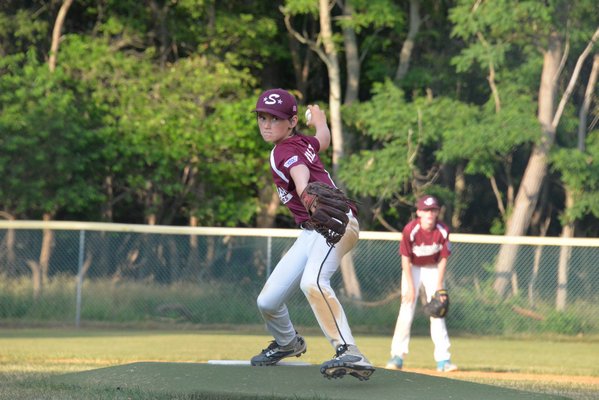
(277, 102)
(428, 203)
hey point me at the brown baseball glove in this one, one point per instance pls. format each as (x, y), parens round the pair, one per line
(328, 208)
(438, 307)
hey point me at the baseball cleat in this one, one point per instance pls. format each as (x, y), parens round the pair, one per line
(446, 366)
(395, 362)
(347, 361)
(275, 353)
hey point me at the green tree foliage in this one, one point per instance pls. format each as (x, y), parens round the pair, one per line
(498, 29)
(154, 85)
(408, 140)
(147, 116)
(488, 139)
(158, 122)
(19, 30)
(235, 166)
(48, 143)
(580, 172)
(508, 36)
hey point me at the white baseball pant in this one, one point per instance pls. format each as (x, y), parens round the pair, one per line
(299, 268)
(427, 277)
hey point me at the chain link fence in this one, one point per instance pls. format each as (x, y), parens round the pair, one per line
(76, 273)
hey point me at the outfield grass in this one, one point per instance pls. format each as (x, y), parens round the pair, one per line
(28, 356)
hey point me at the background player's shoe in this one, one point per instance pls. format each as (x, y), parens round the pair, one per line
(396, 362)
(446, 366)
(348, 360)
(275, 353)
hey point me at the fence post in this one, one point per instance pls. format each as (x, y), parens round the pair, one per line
(79, 278)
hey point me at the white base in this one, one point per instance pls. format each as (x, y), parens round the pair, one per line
(246, 362)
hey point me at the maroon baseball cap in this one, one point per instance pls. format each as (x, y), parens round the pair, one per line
(278, 102)
(428, 203)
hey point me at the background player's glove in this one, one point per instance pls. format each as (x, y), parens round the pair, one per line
(328, 208)
(439, 305)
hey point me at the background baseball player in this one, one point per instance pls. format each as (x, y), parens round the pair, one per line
(424, 250)
(311, 261)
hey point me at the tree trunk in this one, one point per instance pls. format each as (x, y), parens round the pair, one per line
(530, 187)
(57, 33)
(36, 279)
(107, 211)
(193, 258)
(209, 257)
(528, 192)
(458, 204)
(352, 58)
(85, 266)
(351, 284)
(537, 265)
(269, 200)
(39, 269)
(584, 110)
(408, 46)
(565, 253)
(301, 66)
(46, 251)
(569, 229)
(9, 248)
(330, 58)
(150, 204)
(332, 63)
(347, 266)
(159, 15)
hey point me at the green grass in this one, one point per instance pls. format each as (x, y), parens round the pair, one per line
(29, 356)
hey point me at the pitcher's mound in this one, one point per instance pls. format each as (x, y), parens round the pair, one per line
(247, 363)
(233, 381)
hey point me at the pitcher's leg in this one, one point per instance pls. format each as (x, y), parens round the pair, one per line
(280, 285)
(316, 285)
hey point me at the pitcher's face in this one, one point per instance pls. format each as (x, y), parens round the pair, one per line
(274, 129)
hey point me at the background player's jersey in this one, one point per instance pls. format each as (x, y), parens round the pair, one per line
(296, 150)
(423, 247)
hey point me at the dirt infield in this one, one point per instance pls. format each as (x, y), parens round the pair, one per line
(511, 376)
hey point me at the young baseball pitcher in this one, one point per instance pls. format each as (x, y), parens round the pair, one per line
(424, 249)
(298, 174)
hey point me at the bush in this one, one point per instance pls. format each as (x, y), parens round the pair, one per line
(564, 323)
(234, 303)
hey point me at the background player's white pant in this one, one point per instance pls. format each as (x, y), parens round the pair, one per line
(427, 277)
(299, 267)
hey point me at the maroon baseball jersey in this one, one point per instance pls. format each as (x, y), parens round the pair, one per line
(296, 150)
(423, 247)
